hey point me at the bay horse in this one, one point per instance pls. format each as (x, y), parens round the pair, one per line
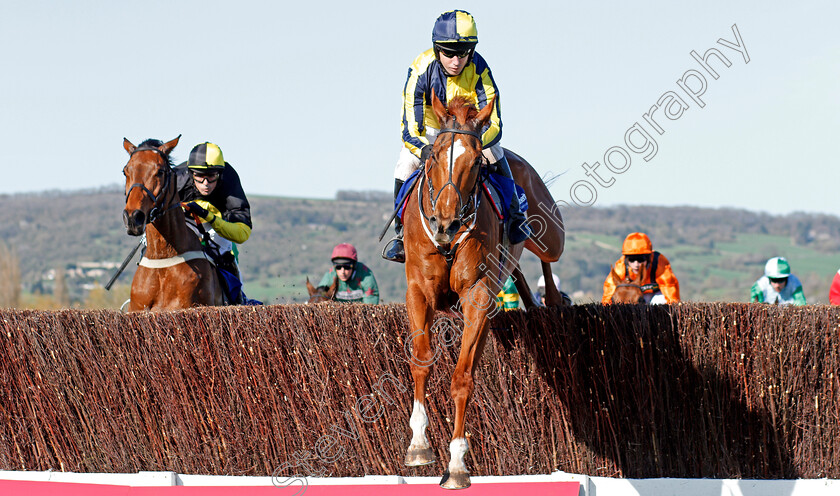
(321, 294)
(174, 272)
(628, 289)
(458, 258)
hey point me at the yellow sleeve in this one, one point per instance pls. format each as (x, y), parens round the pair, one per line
(237, 232)
(491, 135)
(414, 111)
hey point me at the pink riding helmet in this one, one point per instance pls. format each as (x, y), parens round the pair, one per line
(345, 250)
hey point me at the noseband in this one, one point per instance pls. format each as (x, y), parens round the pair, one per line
(156, 211)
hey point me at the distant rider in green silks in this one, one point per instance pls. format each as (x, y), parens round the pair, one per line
(778, 285)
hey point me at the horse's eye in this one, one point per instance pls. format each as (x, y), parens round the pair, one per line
(124, 172)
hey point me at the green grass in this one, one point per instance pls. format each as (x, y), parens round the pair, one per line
(284, 289)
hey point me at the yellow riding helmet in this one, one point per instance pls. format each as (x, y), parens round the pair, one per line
(455, 27)
(206, 156)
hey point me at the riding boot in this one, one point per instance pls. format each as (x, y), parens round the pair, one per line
(394, 249)
(518, 230)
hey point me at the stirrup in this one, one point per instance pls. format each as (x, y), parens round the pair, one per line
(394, 250)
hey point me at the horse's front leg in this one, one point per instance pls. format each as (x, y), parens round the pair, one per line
(476, 309)
(420, 314)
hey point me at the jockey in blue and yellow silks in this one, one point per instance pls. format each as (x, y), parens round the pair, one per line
(451, 68)
(425, 75)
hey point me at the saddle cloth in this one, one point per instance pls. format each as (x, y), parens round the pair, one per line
(498, 189)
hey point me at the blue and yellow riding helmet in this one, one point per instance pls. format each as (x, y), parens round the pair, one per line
(455, 31)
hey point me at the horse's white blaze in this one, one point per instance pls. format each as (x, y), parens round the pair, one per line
(419, 421)
(457, 150)
(458, 449)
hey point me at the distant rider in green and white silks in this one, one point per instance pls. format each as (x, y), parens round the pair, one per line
(778, 285)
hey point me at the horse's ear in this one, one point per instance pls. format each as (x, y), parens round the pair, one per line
(310, 287)
(484, 114)
(169, 145)
(128, 146)
(439, 109)
(333, 288)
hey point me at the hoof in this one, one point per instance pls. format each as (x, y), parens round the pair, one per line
(460, 480)
(419, 456)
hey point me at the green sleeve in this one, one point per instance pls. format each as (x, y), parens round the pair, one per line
(756, 293)
(371, 289)
(799, 296)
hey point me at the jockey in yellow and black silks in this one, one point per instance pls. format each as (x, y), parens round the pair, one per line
(451, 68)
(210, 188)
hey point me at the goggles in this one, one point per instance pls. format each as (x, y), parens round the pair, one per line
(451, 54)
(206, 177)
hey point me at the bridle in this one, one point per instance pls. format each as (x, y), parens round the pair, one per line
(156, 212)
(464, 216)
(630, 285)
(433, 198)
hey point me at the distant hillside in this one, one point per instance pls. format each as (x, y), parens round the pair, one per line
(716, 253)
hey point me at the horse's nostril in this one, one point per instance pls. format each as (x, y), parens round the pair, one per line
(138, 218)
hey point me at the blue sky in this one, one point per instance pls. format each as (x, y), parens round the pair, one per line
(304, 98)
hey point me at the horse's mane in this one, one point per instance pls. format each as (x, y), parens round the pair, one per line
(154, 143)
(462, 109)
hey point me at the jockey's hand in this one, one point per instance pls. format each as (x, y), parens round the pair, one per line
(425, 153)
(194, 208)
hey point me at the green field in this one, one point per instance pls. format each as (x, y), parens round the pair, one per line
(716, 254)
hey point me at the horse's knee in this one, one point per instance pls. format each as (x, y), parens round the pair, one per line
(421, 357)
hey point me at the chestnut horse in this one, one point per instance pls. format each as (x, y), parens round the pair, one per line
(321, 294)
(174, 272)
(629, 289)
(457, 258)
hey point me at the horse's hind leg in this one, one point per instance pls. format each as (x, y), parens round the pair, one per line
(552, 294)
(421, 360)
(544, 218)
(523, 289)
